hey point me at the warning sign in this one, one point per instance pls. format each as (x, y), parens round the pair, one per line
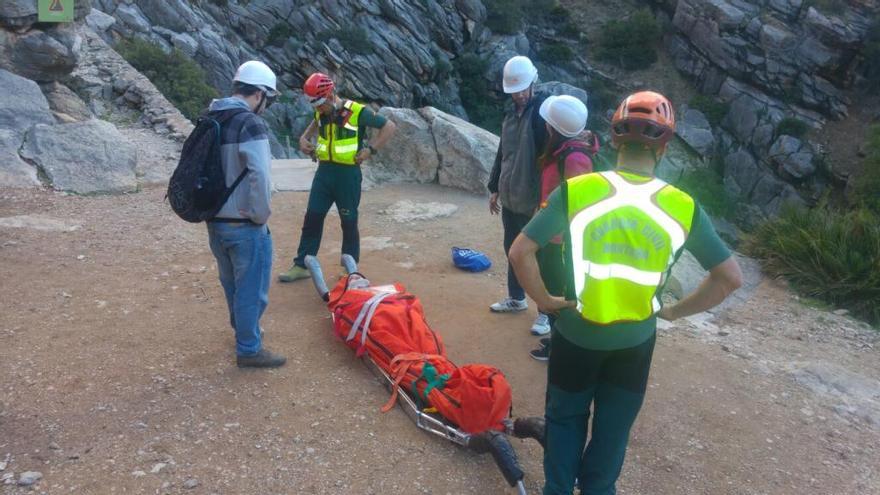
(55, 11)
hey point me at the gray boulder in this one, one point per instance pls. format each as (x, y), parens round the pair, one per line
(411, 155)
(65, 104)
(740, 173)
(99, 21)
(132, 18)
(18, 14)
(694, 129)
(14, 172)
(466, 151)
(27, 108)
(86, 157)
(46, 55)
(793, 157)
(185, 43)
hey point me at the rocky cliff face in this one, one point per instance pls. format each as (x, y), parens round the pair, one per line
(771, 60)
(59, 81)
(394, 52)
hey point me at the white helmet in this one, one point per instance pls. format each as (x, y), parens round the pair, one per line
(258, 74)
(565, 113)
(519, 74)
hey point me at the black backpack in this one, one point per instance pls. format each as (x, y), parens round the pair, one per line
(197, 188)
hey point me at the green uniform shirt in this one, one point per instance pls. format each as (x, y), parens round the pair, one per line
(702, 242)
(367, 118)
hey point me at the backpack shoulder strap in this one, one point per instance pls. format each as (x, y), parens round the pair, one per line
(567, 262)
(223, 117)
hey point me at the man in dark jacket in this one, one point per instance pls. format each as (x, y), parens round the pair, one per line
(514, 179)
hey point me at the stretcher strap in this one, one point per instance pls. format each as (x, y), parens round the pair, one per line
(399, 366)
(365, 316)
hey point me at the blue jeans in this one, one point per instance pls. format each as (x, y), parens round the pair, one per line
(244, 260)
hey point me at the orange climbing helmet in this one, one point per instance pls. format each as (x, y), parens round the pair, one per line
(318, 87)
(645, 117)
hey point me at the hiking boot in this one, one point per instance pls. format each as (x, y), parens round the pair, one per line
(262, 359)
(540, 354)
(541, 326)
(295, 273)
(544, 342)
(531, 427)
(509, 305)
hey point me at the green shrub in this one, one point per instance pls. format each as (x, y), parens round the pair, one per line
(602, 96)
(504, 16)
(867, 190)
(630, 43)
(177, 76)
(507, 16)
(790, 126)
(707, 187)
(279, 33)
(571, 30)
(353, 38)
(442, 69)
(558, 14)
(482, 107)
(556, 53)
(871, 52)
(831, 255)
(713, 109)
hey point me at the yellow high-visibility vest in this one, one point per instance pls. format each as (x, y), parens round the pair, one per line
(626, 231)
(338, 141)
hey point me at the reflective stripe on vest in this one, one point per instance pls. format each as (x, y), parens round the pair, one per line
(625, 235)
(339, 144)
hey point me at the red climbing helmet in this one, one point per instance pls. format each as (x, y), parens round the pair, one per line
(318, 87)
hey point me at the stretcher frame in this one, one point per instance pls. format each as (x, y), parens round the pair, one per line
(493, 442)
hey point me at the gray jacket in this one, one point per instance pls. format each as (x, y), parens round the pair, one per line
(515, 175)
(245, 144)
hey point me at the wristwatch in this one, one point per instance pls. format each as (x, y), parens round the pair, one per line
(372, 150)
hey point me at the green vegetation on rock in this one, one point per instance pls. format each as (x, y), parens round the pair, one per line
(279, 33)
(706, 186)
(483, 108)
(175, 75)
(867, 189)
(713, 109)
(353, 39)
(790, 126)
(827, 254)
(630, 43)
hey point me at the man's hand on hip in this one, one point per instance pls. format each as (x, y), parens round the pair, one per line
(362, 155)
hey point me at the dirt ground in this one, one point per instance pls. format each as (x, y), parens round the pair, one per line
(117, 369)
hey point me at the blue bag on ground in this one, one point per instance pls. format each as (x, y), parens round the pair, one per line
(470, 260)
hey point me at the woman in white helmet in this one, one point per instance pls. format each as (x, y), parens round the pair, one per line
(514, 183)
(570, 147)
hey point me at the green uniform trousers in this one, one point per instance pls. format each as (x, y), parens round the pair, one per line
(339, 184)
(614, 382)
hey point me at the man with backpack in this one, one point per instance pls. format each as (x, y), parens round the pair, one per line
(240, 239)
(623, 230)
(340, 128)
(513, 181)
